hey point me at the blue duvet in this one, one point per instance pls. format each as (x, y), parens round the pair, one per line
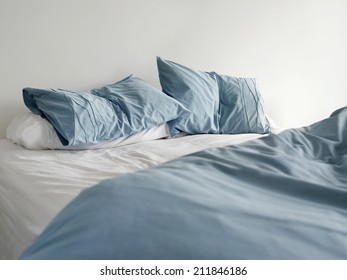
(279, 197)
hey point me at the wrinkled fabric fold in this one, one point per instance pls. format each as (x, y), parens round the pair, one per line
(278, 197)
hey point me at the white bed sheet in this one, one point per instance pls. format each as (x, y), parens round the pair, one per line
(36, 184)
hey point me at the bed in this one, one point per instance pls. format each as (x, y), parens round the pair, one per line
(36, 184)
(197, 171)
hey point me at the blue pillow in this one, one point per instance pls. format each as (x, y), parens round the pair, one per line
(218, 103)
(197, 91)
(104, 114)
(241, 106)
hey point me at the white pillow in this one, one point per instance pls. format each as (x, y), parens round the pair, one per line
(34, 132)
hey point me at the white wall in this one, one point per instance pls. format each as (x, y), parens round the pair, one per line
(296, 48)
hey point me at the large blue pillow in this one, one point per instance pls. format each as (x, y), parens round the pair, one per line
(218, 103)
(104, 114)
(197, 91)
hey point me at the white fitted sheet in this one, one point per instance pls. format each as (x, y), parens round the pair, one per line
(36, 184)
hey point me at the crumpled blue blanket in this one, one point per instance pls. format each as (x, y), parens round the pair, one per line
(279, 197)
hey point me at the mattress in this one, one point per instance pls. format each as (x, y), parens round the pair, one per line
(35, 185)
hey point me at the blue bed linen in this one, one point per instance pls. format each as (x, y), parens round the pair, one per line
(279, 197)
(241, 106)
(113, 111)
(219, 104)
(197, 91)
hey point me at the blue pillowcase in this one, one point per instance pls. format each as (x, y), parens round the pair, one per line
(241, 106)
(104, 114)
(197, 91)
(218, 103)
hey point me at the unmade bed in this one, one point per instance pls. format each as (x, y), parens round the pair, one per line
(195, 171)
(278, 197)
(36, 184)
